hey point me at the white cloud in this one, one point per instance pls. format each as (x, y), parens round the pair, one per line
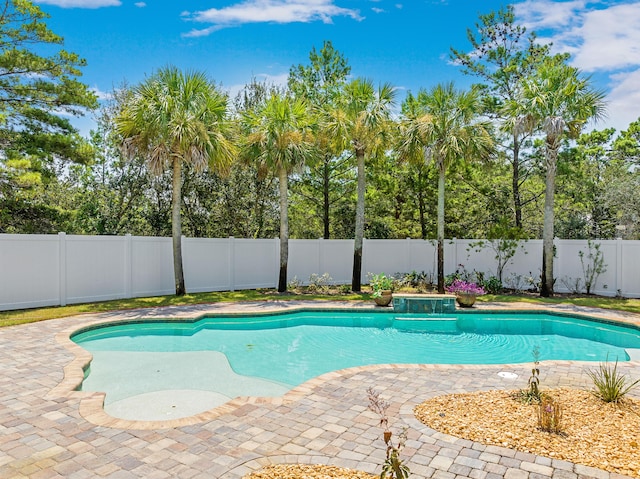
(101, 94)
(540, 14)
(608, 38)
(273, 11)
(377, 10)
(81, 3)
(602, 36)
(280, 79)
(140, 4)
(597, 38)
(624, 99)
(203, 32)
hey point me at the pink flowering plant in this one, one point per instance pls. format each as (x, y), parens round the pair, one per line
(461, 286)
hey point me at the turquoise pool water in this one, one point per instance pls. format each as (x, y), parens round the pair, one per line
(288, 349)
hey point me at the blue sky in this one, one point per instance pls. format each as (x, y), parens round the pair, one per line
(404, 42)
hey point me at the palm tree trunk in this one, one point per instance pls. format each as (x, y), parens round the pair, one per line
(325, 197)
(515, 182)
(356, 283)
(284, 230)
(176, 226)
(441, 171)
(422, 208)
(546, 288)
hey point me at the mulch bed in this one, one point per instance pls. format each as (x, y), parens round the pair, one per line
(593, 433)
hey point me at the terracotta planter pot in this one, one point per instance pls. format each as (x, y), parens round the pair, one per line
(385, 299)
(466, 300)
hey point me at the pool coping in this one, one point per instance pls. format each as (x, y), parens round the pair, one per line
(91, 404)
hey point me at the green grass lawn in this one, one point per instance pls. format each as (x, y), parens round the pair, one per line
(619, 304)
(10, 318)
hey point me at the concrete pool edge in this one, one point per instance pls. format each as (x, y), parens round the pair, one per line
(91, 404)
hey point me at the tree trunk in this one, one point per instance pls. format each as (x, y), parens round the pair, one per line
(515, 182)
(441, 227)
(325, 197)
(546, 288)
(356, 285)
(176, 226)
(422, 210)
(284, 230)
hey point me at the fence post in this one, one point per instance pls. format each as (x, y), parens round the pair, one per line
(62, 268)
(276, 261)
(232, 264)
(408, 256)
(128, 266)
(619, 262)
(321, 269)
(364, 267)
(455, 256)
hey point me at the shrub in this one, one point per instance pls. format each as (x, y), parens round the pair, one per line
(493, 285)
(421, 281)
(610, 385)
(294, 284)
(594, 267)
(319, 284)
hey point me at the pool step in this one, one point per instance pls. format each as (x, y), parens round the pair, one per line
(424, 303)
(437, 325)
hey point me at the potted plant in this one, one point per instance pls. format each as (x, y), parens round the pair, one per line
(465, 292)
(382, 286)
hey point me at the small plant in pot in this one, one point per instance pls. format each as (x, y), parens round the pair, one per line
(465, 291)
(382, 286)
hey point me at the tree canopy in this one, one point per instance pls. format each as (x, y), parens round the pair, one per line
(355, 186)
(38, 95)
(37, 90)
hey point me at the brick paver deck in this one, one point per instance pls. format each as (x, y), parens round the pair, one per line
(47, 430)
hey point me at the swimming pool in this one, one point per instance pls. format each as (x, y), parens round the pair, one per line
(217, 358)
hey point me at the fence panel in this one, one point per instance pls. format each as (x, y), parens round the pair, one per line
(151, 266)
(629, 269)
(43, 270)
(256, 263)
(423, 258)
(95, 268)
(29, 271)
(206, 264)
(385, 256)
(304, 260)
(337, 260)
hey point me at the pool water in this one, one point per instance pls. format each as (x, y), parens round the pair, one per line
(268, 355)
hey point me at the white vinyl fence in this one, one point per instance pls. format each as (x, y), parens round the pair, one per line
(46, 270)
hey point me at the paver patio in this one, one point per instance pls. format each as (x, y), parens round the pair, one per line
(47, 430)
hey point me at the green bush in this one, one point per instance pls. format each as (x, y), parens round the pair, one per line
(381, 282)
(610, 385)
(492, 285)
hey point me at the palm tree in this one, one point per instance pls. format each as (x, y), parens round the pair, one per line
(279, 139)
(174, 117)
(361, 123)
(442, 126)
(560, 101)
